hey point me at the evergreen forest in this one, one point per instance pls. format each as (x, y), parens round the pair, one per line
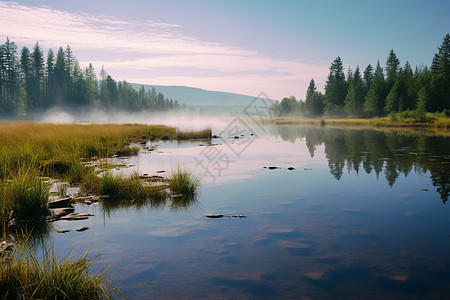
(32, 83)
(377, 91)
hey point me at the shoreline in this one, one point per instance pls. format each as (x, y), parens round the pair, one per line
(374, 122)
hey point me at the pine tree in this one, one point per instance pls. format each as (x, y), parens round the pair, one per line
(60, 78)
(311, 89)
(355, 96)
(38, 77)
(392, 68)
(440, 84)
(368, 77)
(50, 83)
(374, 99)
(335, 88)
(26, 74)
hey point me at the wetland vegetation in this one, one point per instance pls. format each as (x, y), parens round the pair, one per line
(29, 151)
(395, 96)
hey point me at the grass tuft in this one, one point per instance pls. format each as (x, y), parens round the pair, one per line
(184, 135)
(128, 151)
(26, 194)
(183, 182)
(25, 277)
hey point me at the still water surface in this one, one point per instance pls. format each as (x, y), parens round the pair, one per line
(362, 214)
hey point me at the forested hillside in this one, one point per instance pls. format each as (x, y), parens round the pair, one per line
(30, 82)
(378, 92)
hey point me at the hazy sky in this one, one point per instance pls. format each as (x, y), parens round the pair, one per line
(238, 46)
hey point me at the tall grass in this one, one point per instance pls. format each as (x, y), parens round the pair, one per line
(184, 135)
(183, 182)
(25, 277)
(26, 195)
(401, 119)
(56, 150)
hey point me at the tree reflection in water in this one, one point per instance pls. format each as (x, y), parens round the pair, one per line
(389, 151)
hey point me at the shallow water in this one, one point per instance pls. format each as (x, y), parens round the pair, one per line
(362, 214)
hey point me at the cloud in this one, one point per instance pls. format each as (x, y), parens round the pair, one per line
(161, 50)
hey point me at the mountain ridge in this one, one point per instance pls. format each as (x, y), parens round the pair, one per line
(192, 96)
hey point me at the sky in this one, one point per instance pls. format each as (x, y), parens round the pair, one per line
(239, 46)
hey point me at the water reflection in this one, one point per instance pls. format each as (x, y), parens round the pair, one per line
(392, 152)
(158, 201)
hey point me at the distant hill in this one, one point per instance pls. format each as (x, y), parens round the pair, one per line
(200, 98)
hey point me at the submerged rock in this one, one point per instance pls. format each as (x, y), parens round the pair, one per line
(213, 216)
(84, 228)
(74, 217)
(216, 216)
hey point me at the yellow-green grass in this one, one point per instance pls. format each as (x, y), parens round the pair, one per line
(182, 182)
(433, 122)
(23, 276)
(56, 146)
(57, 150)
(192, 134)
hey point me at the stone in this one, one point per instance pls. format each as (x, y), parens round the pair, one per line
(63, 230)
(57, 213)
(291, 168)
(59, 203)
(74, 217)
(214, 216)
(84, 228)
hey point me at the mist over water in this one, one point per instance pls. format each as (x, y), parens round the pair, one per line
(183, 120)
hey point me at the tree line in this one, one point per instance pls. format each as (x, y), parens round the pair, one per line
(30, 82)
(377, 91)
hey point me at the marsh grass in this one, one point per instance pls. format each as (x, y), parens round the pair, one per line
(128, 151)
(26, 195)
(401, 119)
(183, 182)
(56, 150)
(184, 135)
(25, 277)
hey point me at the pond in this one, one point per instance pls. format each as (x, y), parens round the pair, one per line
(329, 213)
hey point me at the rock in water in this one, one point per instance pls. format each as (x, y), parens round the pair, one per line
(63, 230)
(60, 203)
(84, 228)
(213, 216)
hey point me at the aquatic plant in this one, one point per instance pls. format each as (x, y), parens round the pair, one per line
(26, 195)
(183, 182)
(184, 135)
(128, 151)
(25, 277)
(56, 150)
